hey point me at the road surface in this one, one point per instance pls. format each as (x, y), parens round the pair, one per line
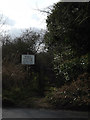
(42, 113)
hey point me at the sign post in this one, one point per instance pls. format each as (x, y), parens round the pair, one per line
(28, 60)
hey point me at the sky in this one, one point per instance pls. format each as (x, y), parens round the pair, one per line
(23, 14)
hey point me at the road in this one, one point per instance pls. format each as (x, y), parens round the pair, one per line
(42, 113)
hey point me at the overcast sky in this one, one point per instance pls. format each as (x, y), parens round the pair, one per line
(21, 14)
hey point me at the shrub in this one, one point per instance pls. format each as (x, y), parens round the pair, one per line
(70, 69)
(12, 76)
(74, 96)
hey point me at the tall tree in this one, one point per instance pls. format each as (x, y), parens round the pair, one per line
(68, 24)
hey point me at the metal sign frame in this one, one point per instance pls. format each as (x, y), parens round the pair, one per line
(28, 59)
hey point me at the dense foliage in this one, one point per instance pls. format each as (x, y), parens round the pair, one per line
(68, 36)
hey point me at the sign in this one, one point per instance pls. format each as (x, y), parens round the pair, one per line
(28, 59)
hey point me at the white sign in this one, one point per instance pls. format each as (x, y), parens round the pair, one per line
(28, 59)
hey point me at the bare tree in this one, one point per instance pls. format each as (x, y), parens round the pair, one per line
(2, 22)
(2, 31)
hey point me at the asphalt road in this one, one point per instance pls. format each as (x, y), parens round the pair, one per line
(42, 113)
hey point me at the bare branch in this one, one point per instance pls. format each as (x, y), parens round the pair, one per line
(43, 11)
(46, 10)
